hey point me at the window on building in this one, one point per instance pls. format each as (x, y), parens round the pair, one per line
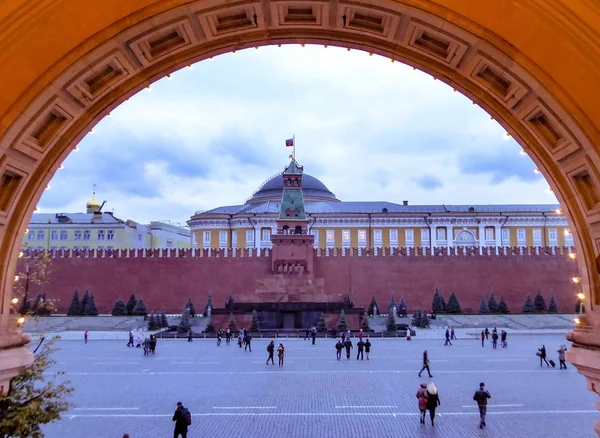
(53, 248)
(249, 238)
(77, 248)
(505, 236)
(377, 235)
(409, 236)
(63, 248)
(537, 235)
(316, 234)
(87, 234)
(31, 235)
(169, 244)
(86, 248)
(206, 239)
(40, 235)
(521, 235)
(101, 248)
(489, 234)
(345, 235)
(234, 239)
(330, 238)
(54, 235)
(110, 248)
(64, 234)
(101, 234)
(553, 235)
(441, 234)
(362, 235)
(266, 234)
(139, 236)
(425, 235)
(77, 235)
(222, 239)
(394, 236)
(110, 235)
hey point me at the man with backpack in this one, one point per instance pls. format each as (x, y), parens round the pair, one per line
(182, 419)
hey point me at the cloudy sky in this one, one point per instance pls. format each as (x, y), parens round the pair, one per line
(368, 128)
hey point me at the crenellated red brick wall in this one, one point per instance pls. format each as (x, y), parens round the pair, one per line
(167, 282)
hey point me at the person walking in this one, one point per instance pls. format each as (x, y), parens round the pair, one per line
(361, 345)
(367, 348)
(248, 345)
(313, 335)
(542, 354)
(447, 338)
(227, 336)
(561, 357)
(503, 339)
(146, 346)
(219, 335)
(182, 419)
(452, 335)
(348, 345)
(280, 353)
(481, 397)
(487, 333)
(130, 343)
(425, 364)
(190, 335)
(494, 339)
(85, 337)
(433, 401)
(338, 349)
(422, 399)
(360, 334)
(482, 337)
(271, 350)
(306, 333)
(152, 344)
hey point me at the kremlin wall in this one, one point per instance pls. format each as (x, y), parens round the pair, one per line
(294, 251)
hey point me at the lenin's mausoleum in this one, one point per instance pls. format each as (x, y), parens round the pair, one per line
(293, 251)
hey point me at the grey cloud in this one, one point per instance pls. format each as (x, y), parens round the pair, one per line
(428, 182)
(501, 163)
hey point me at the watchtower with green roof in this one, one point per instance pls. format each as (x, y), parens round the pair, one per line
(292, 244)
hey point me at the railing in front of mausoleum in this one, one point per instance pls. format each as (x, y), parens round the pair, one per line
(474, 251)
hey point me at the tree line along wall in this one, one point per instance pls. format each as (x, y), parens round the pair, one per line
(166, 283)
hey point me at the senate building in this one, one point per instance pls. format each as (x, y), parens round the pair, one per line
(359, 225)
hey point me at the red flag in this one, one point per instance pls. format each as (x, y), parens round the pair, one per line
(289, 142)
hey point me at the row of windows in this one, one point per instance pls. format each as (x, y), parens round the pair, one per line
(77, 235)
(77, 248)
(409, 236)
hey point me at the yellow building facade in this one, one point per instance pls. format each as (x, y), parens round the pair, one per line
(337, 224)
(100, 230)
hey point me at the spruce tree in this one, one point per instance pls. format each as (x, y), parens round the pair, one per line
(255, 324)
(392, 305)
(75, 307)
(140, 308)
(208, 304)
(119, 308)
(483, 306)
(341, 325)
(539, 303)
(153, 323)
(131, 304)
(164, 322)
(90, 307)
(321, 327)
(231, 325)
(502, 307)
(364, 325)
(83, 303)
(190, 306)
(391, 323)
(552, 307)
(373, 305)
(402, 309)
(210, 327)
(453, 305)
(438, 304)
(492, 304)
(528, 307)
(185, 325)
(229, 303)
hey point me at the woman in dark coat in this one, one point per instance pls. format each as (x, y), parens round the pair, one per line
(433, 401)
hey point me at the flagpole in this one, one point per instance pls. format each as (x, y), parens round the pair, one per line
(294, 147)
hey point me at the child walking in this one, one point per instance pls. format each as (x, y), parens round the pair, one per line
(280, 353)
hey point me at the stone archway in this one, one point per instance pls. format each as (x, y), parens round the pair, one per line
(466, 238)
(532, 64)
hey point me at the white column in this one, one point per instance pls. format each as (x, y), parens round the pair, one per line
(498, 236)
(433, 238)
(449, 237)
(256, 236)
(481, 238)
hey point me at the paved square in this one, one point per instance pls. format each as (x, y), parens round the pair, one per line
(232, 393)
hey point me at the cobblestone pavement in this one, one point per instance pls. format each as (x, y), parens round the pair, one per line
(232, 393)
